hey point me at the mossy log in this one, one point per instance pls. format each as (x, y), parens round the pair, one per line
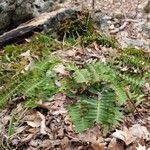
(45, 21)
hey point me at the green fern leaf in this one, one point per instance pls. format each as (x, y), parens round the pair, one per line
(82, 76)
(102, 110)
(77, 112)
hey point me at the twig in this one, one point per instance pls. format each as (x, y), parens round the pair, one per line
(119, 29)
(93, 4)
(125, 16)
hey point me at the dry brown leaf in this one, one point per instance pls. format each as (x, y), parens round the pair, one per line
(33, 119)
(70, 53)
(147, 87)
(58, 101)
(20, 129)
(27, 138)
(29, 65)
(140, 132)
(36, 119)
(61, 111)
(130, 135)
(99, 146)
(15, 141)
(60, 69)
(45, 144)
(124, 135)
(43, 125)
(140, 147)
(34, 124)
(93, 136)
(115, 145)
(27, 56)
(96, 46)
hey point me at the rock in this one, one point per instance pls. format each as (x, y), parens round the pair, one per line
(134, 42)
(146, 29)
(15, 12)
(101, 20)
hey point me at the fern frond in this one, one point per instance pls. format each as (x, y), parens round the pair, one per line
(82, 76)
(35, 83)
(120, 92)
(97, 72)
(101, 110)
(77, 113)
(136, 82)
(137, 62)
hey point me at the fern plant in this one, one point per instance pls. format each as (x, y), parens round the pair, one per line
(99, 72)
(136, 61)
(38, 83)
(100, 108)
(105, 107)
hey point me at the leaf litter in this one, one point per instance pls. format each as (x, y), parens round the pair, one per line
(48, 125)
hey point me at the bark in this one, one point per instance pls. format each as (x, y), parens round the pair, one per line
(46, 21)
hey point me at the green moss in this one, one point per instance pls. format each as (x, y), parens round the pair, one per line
(76, 26)
(13, 66)
(99, 39)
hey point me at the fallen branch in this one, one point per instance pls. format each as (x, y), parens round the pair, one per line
(45, 20)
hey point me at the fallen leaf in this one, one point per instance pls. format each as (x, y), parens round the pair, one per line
(43, 125)
(93, 136)
(115, 145)
(34, 124)
(20, 129)
(29, 65)
(45, 144)
(140, 132)
(26, 54)
(33, 119)
(70, 53)
(147, 87)
(15, 141)
(27, 139)
(60, 69)
(140, 147)
(97, 146)
(124, 135)
(57, 83)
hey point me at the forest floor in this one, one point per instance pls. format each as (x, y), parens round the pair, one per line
(130, 24)
(46, 125)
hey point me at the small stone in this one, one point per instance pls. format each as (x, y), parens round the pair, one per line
(109, 22)
(111, 27)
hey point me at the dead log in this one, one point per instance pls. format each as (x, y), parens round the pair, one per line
(46, 21)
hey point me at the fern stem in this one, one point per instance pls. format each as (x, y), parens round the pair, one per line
(10, 93)
(98, 107)
(35, 85)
